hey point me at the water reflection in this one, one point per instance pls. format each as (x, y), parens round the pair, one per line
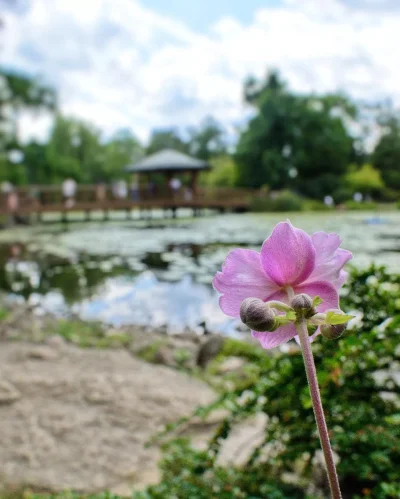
(161, 275)
(24, 273)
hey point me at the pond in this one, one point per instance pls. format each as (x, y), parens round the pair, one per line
(159, 272)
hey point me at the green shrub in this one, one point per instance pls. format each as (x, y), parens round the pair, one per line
(388, 195)
(190, 474)
(364, 422)
(314, 205)
(284, 201)
(354, 205)
(342, 194)
(365, 179)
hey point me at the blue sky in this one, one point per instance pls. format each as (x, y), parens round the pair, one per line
(146, 64)
(200, 15)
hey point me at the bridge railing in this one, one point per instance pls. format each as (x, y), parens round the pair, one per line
(42, 197)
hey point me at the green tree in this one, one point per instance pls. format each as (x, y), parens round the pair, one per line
(386, 157)
(22, 93)
(366, 179)
(37, 167)
(19, 93)
(123, 148)
(293, 141)
(166, 139)
(222, 174)
(74, 150)
(207, 140)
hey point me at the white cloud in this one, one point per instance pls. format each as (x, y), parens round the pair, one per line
(118, 63)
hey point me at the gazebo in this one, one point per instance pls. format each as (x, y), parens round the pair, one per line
(170, 163)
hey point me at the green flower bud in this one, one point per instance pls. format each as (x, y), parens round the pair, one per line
(333, 332)
(257, 315)
(302, 305)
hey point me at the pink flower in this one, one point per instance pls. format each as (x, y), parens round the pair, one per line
(290, 261)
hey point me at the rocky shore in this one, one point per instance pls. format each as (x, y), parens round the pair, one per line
(79, 401)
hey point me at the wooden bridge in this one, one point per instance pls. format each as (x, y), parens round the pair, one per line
(30, 203)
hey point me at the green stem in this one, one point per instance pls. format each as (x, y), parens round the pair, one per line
(301, 326)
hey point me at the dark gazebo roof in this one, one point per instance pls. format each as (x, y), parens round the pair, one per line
(167, 160)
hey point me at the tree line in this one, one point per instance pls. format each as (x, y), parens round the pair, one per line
(315, 145)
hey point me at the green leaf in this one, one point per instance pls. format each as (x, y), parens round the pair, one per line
(334, 318)
(317, 301)
(287, 318)
(291, 315)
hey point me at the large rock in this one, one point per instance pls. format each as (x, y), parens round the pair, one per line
(80, 421)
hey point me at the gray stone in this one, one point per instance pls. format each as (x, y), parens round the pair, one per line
(8, 392)
(43, 352)
(55, 341)
(231, 364)
(209, 350)
(82, 422)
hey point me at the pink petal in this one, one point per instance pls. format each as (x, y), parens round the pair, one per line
(339, 281)
(272, 340)
(324, 290)
(241, 277)
(329, 259)
(288, 255)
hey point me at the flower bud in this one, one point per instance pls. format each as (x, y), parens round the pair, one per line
(331, 332)
(257, 315)
(302, 305)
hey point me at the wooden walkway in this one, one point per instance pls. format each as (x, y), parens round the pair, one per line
(34, 201)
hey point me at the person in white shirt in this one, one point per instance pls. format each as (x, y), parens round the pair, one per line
(69, 187)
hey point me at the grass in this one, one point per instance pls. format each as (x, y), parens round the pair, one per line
(4, 313)
(149, 353)
(90, 334)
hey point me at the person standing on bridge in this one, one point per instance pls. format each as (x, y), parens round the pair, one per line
(69, 188)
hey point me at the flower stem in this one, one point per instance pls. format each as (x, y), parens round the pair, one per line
(301, 326)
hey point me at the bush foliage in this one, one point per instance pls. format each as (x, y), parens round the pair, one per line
(357, 379)
(282, 201)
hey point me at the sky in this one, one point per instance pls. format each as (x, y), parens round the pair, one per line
(151, 64)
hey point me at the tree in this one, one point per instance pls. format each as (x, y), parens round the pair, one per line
(123, 149)
(21, 93)
(366, 180)
(207, 140)
(74, 150)
(222, 174)
(386, 157)
(293, 141)
(37, 166)
(166, 139)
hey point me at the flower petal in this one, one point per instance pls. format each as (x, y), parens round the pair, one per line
(241, 277)
(272, 340)
(324, 290)
(288, 255)
(329, 259)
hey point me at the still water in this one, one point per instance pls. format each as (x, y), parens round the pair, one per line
(159, 272)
